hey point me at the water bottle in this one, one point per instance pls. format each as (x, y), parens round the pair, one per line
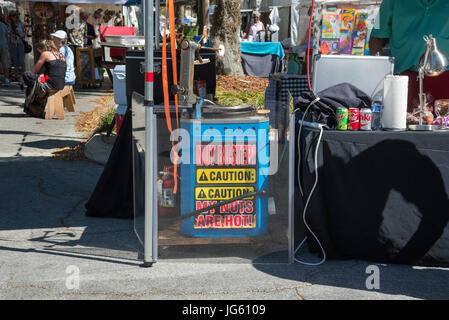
(376, 119)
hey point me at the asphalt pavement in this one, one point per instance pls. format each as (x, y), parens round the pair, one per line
(49, 249)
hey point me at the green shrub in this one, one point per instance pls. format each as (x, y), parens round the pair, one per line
(106, 120)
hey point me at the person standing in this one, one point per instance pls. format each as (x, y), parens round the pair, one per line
(90, 34)
(17, 36)
(254, 27)
(4, 51)
(60, 39)
(77, 34)
(404, 23)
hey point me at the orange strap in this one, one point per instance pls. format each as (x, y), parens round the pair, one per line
(173, 54)
(175, 81)
(169, 10)
(164, 73)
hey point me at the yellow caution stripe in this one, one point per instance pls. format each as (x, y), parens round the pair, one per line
(221, 193)
(226, 176)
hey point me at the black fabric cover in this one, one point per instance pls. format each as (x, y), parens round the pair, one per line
(259, 65)
(381, 196)
(113, 194)
(324, 111)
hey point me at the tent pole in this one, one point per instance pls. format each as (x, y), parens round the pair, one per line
(150, 242)
(157, 23)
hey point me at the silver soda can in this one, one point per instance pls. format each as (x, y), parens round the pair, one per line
(366, 116)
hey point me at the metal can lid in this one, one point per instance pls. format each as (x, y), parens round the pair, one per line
(365, 110)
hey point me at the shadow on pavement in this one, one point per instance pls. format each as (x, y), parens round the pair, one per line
(50, 143)
(43, 206)
(394, 279)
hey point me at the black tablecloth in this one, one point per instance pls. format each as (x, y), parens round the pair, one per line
(381, 196)
(113, 194)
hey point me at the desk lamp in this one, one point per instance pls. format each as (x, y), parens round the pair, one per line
(432, 64)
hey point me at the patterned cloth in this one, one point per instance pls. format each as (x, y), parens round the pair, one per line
(277, 97)
(76, 35)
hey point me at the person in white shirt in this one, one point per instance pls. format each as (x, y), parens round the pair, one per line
(253, 28)
(60, 39)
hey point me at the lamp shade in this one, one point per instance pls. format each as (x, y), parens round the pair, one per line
(433, 61)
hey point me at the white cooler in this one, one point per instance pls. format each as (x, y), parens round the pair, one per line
(120, 85)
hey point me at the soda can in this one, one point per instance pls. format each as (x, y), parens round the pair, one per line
(354, 119)
(366, 116)
(342, 118)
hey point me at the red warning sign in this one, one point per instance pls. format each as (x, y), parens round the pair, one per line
(226, 155)
(238, 221)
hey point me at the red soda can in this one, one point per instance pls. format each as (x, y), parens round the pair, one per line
(365, 119)
(354, 119)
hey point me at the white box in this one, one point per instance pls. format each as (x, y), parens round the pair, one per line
(364, 72)
(120, 85)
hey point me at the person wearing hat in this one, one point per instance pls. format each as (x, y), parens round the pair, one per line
(254, 27)
(60, 41)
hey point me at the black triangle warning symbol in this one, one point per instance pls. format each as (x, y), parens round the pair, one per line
(203, 177)
(202, 195)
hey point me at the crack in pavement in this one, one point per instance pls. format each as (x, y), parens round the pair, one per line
(71, 212)
(161, 292)
(42, 189)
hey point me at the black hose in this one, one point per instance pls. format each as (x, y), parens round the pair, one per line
(219, 204)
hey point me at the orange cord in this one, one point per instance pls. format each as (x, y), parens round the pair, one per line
(169, 11)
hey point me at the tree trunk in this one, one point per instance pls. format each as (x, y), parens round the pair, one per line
(202, 14)
(225, 31)
(180, 13)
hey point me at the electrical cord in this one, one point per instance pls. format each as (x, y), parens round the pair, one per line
(316, 156)
(305, 210)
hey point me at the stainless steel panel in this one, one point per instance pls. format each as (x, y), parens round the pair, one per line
(364, 72)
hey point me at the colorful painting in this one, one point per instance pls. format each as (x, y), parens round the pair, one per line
(331, 25)
(361, 20)
(359, 39)
(345, 44)
(347, 19)
(329, 47)
(358, 51)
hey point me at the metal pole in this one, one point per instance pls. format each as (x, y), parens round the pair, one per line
(157, 23)
(149, 254)
(291, 191)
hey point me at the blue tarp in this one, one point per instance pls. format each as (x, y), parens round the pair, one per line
(274, 48)
(132, 2)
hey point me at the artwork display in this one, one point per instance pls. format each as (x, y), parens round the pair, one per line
(345, 44)
(347, 19)
(329, 46)
(331, 25)
(347, 30)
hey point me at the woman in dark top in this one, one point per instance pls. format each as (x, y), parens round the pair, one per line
(54, 63)
(41, 84)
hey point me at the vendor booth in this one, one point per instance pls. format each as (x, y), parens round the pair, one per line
(372, 182)
(199, 180)
(342, 168)
(43, 18)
